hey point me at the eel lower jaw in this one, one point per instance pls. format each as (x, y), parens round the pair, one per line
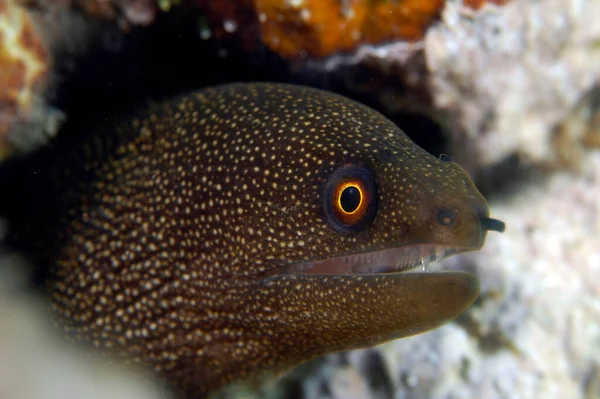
(392, 260)
(364, 299)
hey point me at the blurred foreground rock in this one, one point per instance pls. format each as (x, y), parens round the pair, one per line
(35, 363)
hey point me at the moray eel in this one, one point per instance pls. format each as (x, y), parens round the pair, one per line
(250, 227)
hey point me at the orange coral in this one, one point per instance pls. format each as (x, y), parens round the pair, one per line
(317, 27)
(23, 66)
(406, 19)
(477, 4)
(322, 27)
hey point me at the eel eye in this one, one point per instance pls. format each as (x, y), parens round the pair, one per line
(350, 198)
(446, 217)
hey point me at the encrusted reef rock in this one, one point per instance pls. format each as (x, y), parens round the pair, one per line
(506, 76)
(24, 68)
(498, 79)
(291, 28)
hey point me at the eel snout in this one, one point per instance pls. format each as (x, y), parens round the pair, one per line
(383, 294)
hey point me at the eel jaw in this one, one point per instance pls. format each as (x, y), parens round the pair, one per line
(360, 300)
(391, 260)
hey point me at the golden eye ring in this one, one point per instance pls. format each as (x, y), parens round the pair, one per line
(350, 198)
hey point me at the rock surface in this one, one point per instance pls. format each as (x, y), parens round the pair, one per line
(498, 80)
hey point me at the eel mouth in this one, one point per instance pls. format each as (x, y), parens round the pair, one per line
(385, 261)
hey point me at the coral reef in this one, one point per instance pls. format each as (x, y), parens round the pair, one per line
(499, 80)
(24, 66)
(477, 4)
(578, 133)
(291, 28)
(320, 28)
(505, 82)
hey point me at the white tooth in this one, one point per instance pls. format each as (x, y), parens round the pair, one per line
(425, 262)
(439, 253)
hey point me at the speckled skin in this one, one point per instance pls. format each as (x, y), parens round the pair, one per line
(174, 231)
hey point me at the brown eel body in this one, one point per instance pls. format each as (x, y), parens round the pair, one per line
(250, 227)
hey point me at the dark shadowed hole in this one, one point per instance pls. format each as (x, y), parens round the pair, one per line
(408, 107)
(324, 389)
(377, 375)
(424, 131)
(169, 58)
(506, 177)
(291, 388)
(151, 63)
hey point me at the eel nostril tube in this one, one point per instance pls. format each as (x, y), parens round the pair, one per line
(492, 224)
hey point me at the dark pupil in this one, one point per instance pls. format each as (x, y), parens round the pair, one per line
(446, 217)
(350, 199)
